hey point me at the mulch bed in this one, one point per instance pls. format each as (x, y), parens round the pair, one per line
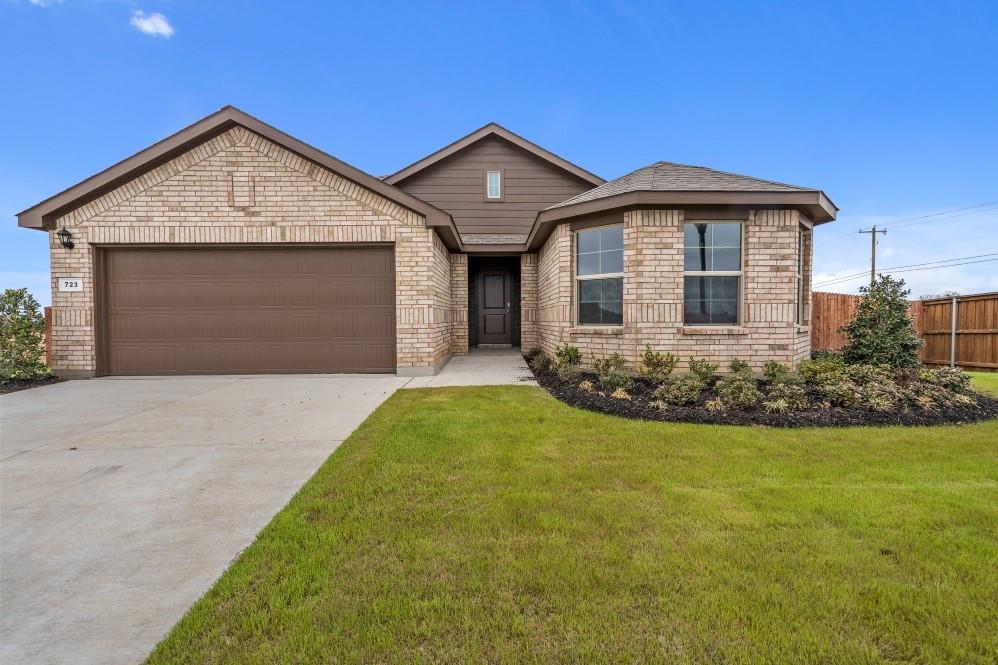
(15, 385)
(640, 407)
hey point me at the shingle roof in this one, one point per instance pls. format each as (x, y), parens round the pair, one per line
(671, 177)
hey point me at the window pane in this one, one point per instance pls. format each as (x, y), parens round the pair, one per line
(726, 235)
(722, 288)
(726, 259)
(589, 241)
(695, 259)
(710, 300)
(590, 290)
(613, 289)
(612, 313)
(696, 235)
(589, 313)
(612, 237)
(612, 261)
(589, 264)
(601, 301)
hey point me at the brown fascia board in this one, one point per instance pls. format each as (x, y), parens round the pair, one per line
(497, 130)
(43, 215)
(818, 207)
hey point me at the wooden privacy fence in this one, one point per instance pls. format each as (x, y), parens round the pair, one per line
(974, 338)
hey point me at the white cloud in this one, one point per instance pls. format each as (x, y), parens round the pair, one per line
(152, 24)
(44, 3)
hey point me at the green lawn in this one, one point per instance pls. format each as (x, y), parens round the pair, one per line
(497, 524)
(985, 381)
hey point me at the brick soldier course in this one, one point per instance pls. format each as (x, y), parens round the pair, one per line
(233, 181)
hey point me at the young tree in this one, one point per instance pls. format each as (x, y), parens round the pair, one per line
(881, 332)
(22, 336)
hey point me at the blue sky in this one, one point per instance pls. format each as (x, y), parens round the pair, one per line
(891, 108)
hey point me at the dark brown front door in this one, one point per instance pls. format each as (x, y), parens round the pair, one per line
(494, 295)
(243, 310)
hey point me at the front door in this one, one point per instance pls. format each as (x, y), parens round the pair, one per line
(494, 291)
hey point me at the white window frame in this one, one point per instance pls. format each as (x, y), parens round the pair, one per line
(488, 186)
(718, 273)
(605, 275)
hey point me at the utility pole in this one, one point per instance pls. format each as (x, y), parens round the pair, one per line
(873, 251)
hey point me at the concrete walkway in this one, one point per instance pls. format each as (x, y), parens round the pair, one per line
(123, 500)
(481, 367)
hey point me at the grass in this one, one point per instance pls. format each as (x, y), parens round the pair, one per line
(985, 381)
(497, 524)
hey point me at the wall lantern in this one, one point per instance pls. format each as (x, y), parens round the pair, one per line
(65, 237)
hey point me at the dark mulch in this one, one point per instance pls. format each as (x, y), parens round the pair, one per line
(14, 385)
(640, 407)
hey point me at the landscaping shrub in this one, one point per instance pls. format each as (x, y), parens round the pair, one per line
(950, 378)
(567, 372)
(776, 373)
(703, 370)
(882, 332)
(822, 364)
(612, 373)
(656, 366)
(538, 361)
(586, 386)
(568, 355)
(620, 393)
(22, 336)
(783, 397)
(738, 390)
(686, 389)
(737, 366)
(567, 363)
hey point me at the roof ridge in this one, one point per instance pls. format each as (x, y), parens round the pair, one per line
(738, 175)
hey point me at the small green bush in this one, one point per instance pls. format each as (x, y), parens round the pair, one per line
(951, 378)
(22, 336)
(820, 366)
(567, 372)
(738, 390)
(737, 366)
(839, 392)
(538, 361)
(685, 389)
(789, 397)
(776, 373)
(656, 366)
(612, 373)
(568, 355)
(702, 369)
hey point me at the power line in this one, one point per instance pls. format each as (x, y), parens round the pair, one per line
(892, 271)
(919, 219)
(911, 265)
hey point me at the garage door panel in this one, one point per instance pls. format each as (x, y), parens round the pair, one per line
(249, 310)
(256, 291)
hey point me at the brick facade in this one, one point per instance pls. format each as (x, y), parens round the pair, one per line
(236, 188)
(653, 293)
(459, 304)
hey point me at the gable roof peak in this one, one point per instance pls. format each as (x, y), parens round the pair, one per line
(493, 129)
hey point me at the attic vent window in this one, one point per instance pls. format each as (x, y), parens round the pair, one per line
(493, 188)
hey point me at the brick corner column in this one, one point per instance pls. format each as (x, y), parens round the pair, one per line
(529, 333)
(459, 304)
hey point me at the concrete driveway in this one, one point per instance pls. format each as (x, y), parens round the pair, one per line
(122, 500)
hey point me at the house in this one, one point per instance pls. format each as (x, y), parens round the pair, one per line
(232, 247)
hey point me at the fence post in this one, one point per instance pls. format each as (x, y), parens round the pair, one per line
(952, 337)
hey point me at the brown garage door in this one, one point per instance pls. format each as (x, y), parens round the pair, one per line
(249, 310)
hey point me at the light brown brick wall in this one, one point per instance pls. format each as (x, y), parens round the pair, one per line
(653, 294)
(241, 188)
(459, 303)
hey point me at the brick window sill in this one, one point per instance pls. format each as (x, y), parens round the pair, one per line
(596, 330)
(713, 330)
(803, 330)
